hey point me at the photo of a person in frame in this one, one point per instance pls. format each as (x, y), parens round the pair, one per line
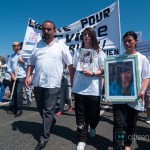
(123, 84)
(86, 60)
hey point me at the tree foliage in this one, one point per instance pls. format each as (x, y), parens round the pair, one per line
(2, 60)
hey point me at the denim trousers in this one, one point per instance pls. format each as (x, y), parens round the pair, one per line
(28, 94)
(125, 119)
(87, 109)
(3, 88)
(46, 99)
(18, 94)
(65, 93)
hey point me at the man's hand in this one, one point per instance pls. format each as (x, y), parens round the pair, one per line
(13, 77)
(28, 81)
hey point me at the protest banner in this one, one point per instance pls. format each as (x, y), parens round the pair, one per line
(106, 23)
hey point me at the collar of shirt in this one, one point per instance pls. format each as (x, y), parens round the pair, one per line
(55, 40)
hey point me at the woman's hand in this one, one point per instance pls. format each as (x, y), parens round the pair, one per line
(87, 72)
(142, 95)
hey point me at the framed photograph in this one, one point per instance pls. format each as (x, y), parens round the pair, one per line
(86, 59)
(121, 79)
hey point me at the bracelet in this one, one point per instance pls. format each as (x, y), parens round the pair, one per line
(93, 74)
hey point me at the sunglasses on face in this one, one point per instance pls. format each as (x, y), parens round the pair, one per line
(48, 29)
(14, 45)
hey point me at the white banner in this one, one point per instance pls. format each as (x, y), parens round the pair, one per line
(139, 36)
(144, 48)
(106, 23)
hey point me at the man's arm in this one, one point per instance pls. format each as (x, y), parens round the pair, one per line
(71, 72)
(145, 84)
(9, 69)
(28, 81)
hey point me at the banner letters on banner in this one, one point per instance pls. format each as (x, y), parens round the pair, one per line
(111, 52)
(34, 24)
(105, 23)
(95, 18)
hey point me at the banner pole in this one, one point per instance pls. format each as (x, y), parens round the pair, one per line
(119, 24)
(14, 83)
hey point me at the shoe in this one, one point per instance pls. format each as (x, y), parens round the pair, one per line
(11, 112)
(103, 98)
(28, 104)
(70, 109)
(59, 113)
(53, 124)
(148, 120)
(41, 145)
(18, 113)
(24, 98)
(81, 146)
(92, 132)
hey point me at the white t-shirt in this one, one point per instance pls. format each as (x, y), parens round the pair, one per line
(86, 85)
(49, 62)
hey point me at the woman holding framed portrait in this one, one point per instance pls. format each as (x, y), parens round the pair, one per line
(127, 112)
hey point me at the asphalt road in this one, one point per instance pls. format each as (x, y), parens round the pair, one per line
(22, 133)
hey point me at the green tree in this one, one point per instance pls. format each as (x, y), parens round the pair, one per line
(2, 60)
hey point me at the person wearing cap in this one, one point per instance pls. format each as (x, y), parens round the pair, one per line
(125, 113)
(123, 85)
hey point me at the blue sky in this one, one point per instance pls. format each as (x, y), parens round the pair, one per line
(14, 14)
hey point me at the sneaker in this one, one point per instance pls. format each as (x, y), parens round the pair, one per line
(59, 113)
(70, 109)
(80, 146)
(148, 120)
(92, 132)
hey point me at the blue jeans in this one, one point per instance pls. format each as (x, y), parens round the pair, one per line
(46, 99)
(28, 94)
(18, 94)
(65, 93)
(3, 87)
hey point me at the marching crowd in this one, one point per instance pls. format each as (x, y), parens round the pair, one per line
(52, 70)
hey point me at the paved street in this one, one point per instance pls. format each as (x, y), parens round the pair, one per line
(22, 133)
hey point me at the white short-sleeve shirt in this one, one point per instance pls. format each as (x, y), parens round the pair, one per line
(86, 85)
(49, 62)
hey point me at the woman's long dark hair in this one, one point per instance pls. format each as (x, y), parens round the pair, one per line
(95, 43)
(119, 81)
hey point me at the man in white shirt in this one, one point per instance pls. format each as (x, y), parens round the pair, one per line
(48, 59)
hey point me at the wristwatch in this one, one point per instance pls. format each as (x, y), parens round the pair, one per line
(93, 74)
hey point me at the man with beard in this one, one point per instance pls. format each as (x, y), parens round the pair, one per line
(48, 60)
